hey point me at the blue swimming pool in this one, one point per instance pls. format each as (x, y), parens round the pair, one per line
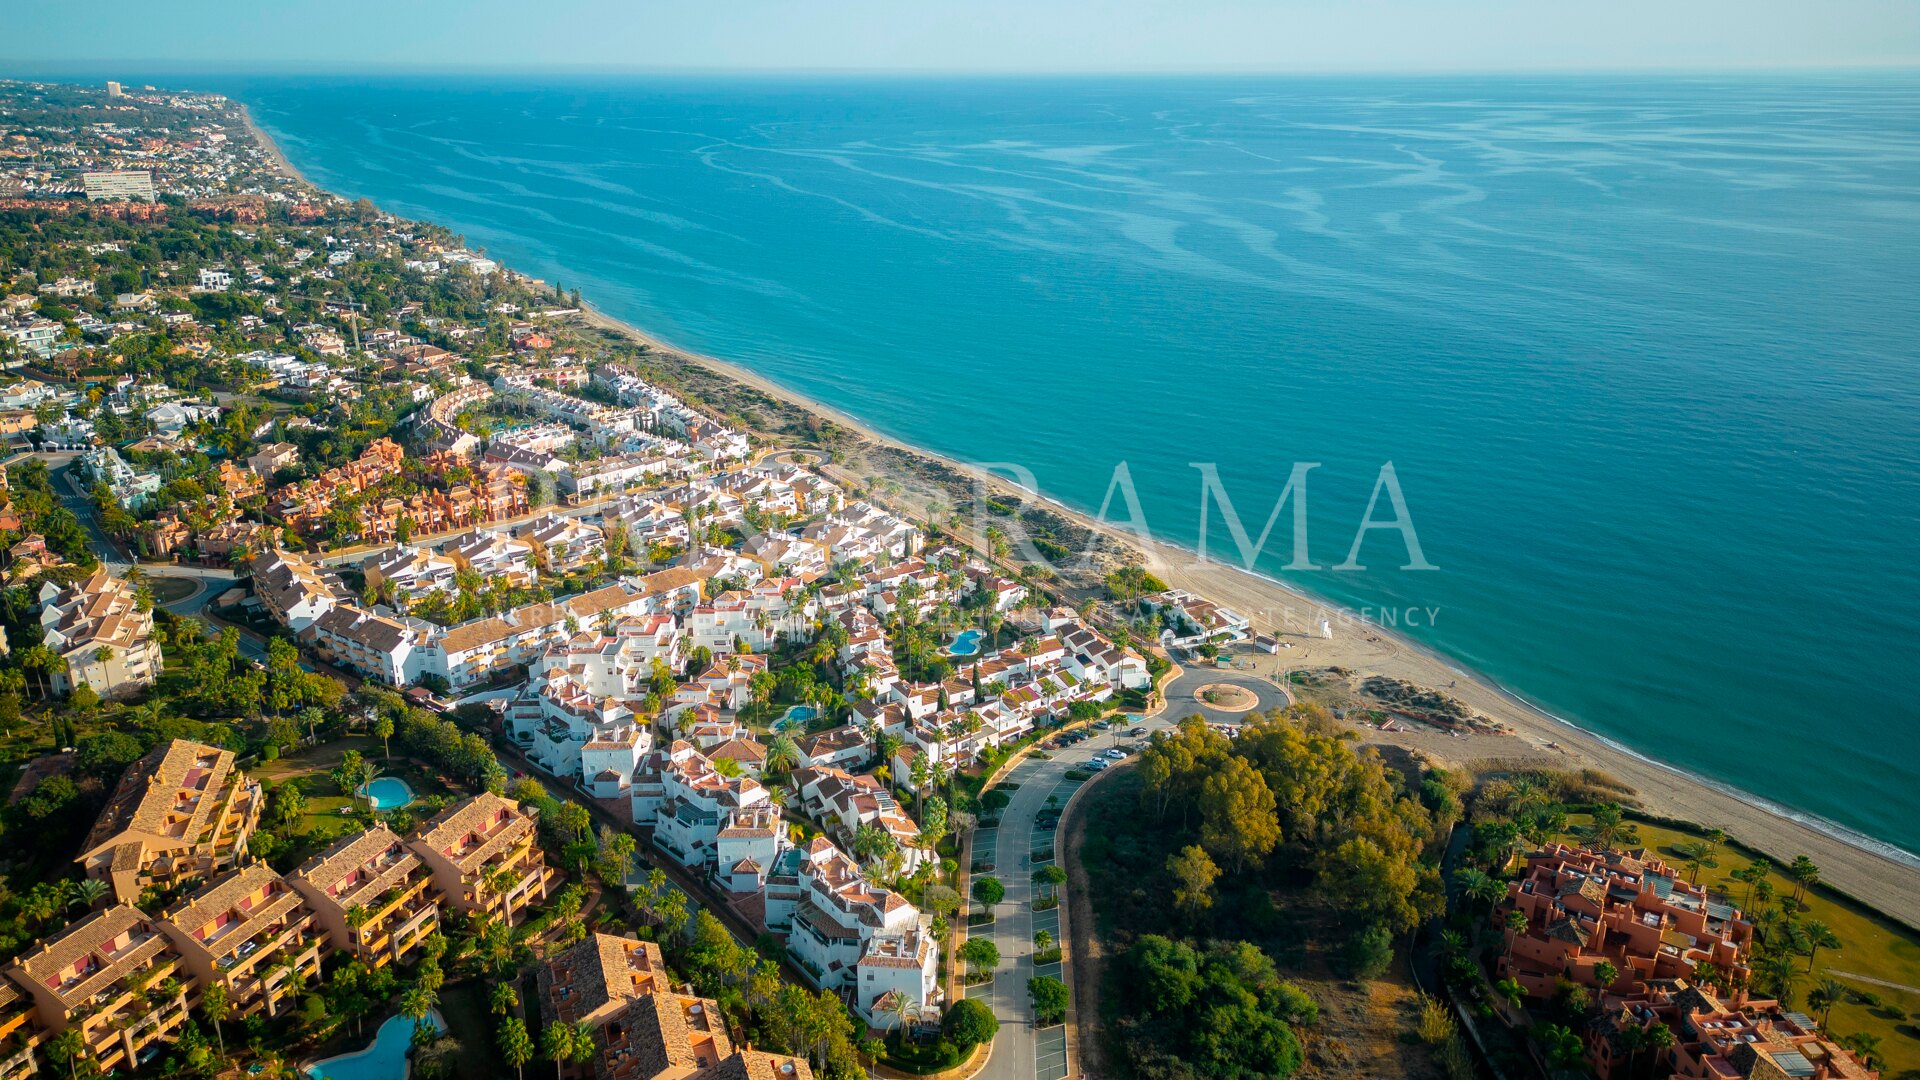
(386, 1059)
(797, 716)
(388, 793)
(965, 643)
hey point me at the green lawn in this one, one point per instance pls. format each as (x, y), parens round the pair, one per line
(1871, 946)
(311, 771)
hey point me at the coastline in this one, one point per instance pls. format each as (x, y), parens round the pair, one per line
(1876, 874)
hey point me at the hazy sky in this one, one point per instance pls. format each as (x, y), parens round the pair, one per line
(962, 35)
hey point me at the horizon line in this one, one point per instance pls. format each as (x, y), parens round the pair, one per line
(52, 71)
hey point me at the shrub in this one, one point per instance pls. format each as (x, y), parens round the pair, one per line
(1368, 953)
(969, 1023)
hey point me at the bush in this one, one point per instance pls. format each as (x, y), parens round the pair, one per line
(969, 1023)
(1368, 953)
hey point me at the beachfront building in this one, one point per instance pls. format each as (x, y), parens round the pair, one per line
(251, 933)
(183, 811)
(484, 857)
(97, 626)
(373, 895)
(1715, 1037)
(852, 936)
(115, 978)
(1628, 910)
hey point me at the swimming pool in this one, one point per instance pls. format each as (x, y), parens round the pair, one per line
(388, 793)
(797, 716)
(965, 643)
(386, 1059)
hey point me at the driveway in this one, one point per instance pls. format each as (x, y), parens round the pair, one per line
(1019, 845)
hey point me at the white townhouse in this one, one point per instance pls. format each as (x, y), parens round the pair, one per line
(691, 804)
(843, 803)
(851, 935)
(496, 556)
(840, 747)
(565, 543)
(294, 591)
(565, 728)
(727, 618)
(385, 649)
(414, 571)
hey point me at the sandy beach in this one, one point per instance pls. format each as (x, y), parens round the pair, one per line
(1879, 878)
(1888, 883)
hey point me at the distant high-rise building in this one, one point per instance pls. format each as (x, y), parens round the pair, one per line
(119, 184)
(114, 91)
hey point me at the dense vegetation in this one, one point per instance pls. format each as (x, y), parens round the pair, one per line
(1244, 850)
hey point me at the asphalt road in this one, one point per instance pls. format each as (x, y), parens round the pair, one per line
(1018, 847)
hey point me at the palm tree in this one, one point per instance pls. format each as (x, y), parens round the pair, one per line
(1659, 1038)
(416, 1005)
(503, 999)
(1805, 875)
(87, 892)
(1605, 973)
(215, 1006)
(515, 1045)
(1633, 1040)
(556, 1044)
(70, 1047)
(1824, 997)
(1819, 936)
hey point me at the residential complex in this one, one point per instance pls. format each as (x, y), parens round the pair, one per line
(116, 978)
(183, 811)
(104, 632)
(374, 896)
(483, 857)
(641, 1028)
(251, 933)
(1629, 911)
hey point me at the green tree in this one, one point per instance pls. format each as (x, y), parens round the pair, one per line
(1238, 823)
(981, 953)
(503, 999)
(1049, 997)
(556, 1044)
(968, 1023)
(1193, 875)
(989, 891)
(1819, 936)
(216, 1008)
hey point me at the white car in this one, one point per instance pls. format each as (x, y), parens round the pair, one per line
(1116, 753)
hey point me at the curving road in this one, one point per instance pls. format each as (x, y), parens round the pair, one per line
(1019, 845)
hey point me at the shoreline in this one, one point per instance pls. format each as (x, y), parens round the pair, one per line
(1874, 873)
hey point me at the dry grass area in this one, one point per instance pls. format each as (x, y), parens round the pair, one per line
(1365, 1029)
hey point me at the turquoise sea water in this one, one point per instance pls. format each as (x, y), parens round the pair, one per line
(1642, 351)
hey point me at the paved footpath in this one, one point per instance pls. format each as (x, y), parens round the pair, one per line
(1020, 845)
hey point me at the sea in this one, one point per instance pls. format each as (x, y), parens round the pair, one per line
(1642, 352)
